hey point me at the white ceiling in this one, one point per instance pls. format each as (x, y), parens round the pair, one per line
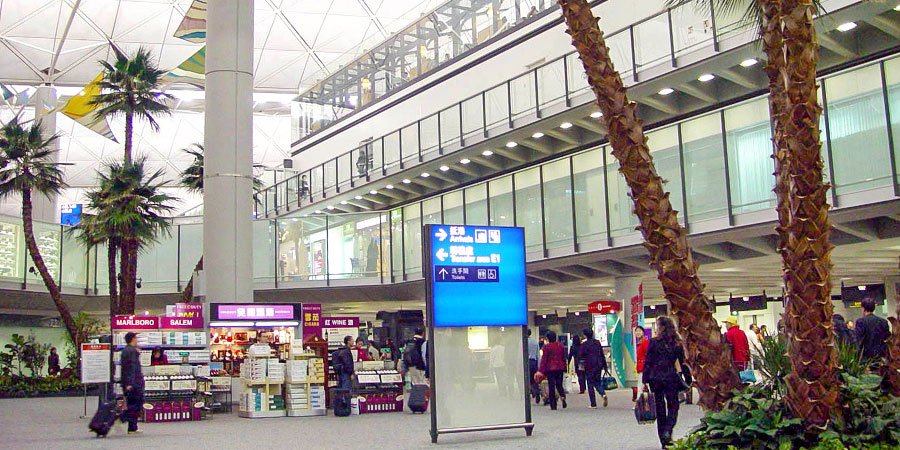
(297, 42)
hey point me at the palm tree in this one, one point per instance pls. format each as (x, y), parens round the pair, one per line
(92, 231)
(26, 167)
(192, 179)
(129, 88)
(132, 208)
(666, 239)
(789, 41)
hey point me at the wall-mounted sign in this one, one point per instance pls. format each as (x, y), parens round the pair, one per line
(70, 214)
(335, 329)
(477, 275)
(604, 307)
(312, 319)
(252, 311)
(185, 310)
(181, 323)
(135, 323)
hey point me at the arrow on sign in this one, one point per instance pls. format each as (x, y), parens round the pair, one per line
(441, 234)
(442, 255)
(443, 273)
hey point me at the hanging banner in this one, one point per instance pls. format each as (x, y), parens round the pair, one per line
(312, 320)
(604, 307)
(181, 323)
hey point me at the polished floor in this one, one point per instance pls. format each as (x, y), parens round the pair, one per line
(55, 423)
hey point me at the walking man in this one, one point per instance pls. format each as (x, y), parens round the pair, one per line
(132, 382)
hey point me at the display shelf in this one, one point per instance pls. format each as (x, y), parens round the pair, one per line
(304, 390)
(8, 250)
(261, 414)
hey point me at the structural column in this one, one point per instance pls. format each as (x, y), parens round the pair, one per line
(228, 162)
(629, 292)
(45, 208)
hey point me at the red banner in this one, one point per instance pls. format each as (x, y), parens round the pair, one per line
(637, 307)
(135, 323)
(604, 307)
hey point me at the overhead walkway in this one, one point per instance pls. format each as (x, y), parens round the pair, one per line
(549, 110)
(579, 228)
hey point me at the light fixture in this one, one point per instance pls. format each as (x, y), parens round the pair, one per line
(749, 62)
(292, 323)
(146, 313)
(897, 8)
(847, 26)
(317, 212)
(537, 135)
(544, 316)
(746, 299)
(487, 153)
(389, 187)
(577, 313)
(373, 192)
(861, 288)
(596, 115)
(358, 197)
(706, 77)
(565, 125)
(444, 168)
(341, 309)
(666, 91)
(464, 161)
(407, 181)
(231, 324)
(343, 202)
(511, 144)
(329, 207)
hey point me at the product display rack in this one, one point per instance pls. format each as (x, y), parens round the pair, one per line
(8, 247)
(316, 344)
(271, 388)
(48, 244)
(299, 396)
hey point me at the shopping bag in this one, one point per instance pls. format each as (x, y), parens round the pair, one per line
(570, 383)
(608, 381)
(645, 408)
(748, 376)
(545, 390)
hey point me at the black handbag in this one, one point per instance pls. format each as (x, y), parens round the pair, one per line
(684, 377)
(608, 381)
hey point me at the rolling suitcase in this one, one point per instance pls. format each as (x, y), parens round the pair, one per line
(104, 419)
(418, 398)
(341, 402)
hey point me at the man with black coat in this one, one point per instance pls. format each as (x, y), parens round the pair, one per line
(591, 354)
(343, 364)
(872, 333)
(132, 382)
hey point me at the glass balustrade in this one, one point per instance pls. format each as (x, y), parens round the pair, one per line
(715, 166)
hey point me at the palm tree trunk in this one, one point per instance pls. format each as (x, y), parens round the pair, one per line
(187, 295)
(666, 239)
(892, 365)
(128, 274)
(35, 252)
(129, 127)
(133, 249)
(813, 387)
(111, 249)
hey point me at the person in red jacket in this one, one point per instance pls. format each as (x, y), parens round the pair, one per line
(641, 344)
(553, 365)
(740, 346)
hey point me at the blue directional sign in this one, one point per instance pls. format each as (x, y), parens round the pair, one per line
(477, 276)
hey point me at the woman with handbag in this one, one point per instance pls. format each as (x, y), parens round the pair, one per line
(553, 365)
(660, 374)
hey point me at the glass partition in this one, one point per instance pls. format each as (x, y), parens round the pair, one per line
(157, 269)
(397, 241)
(496, 105)
(651, 42)
(664, 147)
(704, 167)
(191, 250)
(48, 240)
(621, 219)
(558, 215)
(264, 250)
(522, 94)
(528, 207)
(476, 205)
(412, 239)
(453, 208)
(450, 125)
(472, 120)
(590, 204)
(428, 129)
(409, 143)
(751, 169)
(892, 78)
(74, 263)
(551, 83)
(501, 202)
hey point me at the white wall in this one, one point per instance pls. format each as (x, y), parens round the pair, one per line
(614, 15)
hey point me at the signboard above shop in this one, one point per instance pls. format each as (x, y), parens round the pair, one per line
(604, 307)
(489, 258)
(135, 323)
(253, 311)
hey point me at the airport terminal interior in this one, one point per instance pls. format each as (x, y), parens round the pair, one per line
(415, 223)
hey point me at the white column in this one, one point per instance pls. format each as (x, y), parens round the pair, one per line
(45, 208)
(628, 288)
(228, 132)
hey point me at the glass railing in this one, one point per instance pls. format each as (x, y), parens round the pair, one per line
(440, 37)
(656, 41)
(717, 167)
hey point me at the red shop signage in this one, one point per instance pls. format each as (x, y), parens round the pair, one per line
(604, 307)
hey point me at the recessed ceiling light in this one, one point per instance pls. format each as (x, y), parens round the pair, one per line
(343, 202)
(390, 186)
(666, 91)
(511, 144)
(596, 114)
(487, 153)
(565, 125)
(329, 207)
(358, 197)
(464, 161)
(444, 168)
(749, 62)
(845, 27)
(897, 8)
(316, 211)
(407, 181)
(425, 174)
(706, 77)
(537, 135)
(373, 192)
(341, 309)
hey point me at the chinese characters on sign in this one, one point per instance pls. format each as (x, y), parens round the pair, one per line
(253, 311)
(312, 319)
(637, 308)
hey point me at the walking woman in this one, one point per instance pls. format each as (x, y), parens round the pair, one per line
(574, 355)
(663, 352)
(553, 365)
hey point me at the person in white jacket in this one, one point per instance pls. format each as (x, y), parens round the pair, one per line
(755, 345)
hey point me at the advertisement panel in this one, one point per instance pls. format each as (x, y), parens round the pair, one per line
(95, 363)
(312, 319)
(181, 323)
(254, 311)
(335, 329)
(135, 323)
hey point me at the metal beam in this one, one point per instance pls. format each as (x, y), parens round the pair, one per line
(832, 44)
(697, 93)
(862, 230)
(665, 106)
(738, 78)
(62, 40)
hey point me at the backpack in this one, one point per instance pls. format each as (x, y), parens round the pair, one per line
(412, 355)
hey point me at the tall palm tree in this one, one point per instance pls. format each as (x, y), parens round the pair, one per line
(666, 239)
(130, 88)
(192, 179)
(91, 231)
(27, 167)
(130, 203)
(789, 41)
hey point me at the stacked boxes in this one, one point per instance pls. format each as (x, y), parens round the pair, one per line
(254, 370)
(184, 338)
(316, 370)
(296, 397)
(317, 397)
(296, 371)
(274, 370)
(252, 399)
